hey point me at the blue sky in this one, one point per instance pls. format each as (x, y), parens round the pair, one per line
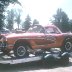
(43, 10)
(66, 5)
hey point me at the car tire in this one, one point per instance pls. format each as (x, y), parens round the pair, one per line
(67, 46)
(20, 51)
(64, 60)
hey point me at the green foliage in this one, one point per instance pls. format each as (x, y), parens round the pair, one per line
(3, 5)
(70, 23)
(61, 20)
(27, 23)
(6, 2)
(1, 24)
(18, 20)
(1, 21)
(35, 22)
(10, 20)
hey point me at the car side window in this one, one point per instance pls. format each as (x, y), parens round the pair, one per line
(51, 30)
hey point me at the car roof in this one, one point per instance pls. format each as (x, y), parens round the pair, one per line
(50, 26)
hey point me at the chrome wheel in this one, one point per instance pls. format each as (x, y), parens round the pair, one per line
(21, 51)
(68, 46)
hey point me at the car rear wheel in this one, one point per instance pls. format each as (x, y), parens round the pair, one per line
(67, 46)
(20, 51)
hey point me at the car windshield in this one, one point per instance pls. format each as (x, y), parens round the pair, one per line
(36, 29)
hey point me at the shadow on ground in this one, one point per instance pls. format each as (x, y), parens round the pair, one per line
(30, 66)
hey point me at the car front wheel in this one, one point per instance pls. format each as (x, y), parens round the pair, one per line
(20, 51)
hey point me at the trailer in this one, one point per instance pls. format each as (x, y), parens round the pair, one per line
(62, 57)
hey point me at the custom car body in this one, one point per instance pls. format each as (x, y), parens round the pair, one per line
(37, 37)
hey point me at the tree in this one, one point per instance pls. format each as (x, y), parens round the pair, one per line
(35, 21)
(18, 20)
(61, 20)
(70, 24)
(27, 23)
(10, 20)
(1, 15)
(3, 5)
(1, 21)
(18, 13)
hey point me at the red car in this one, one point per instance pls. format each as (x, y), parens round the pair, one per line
(36, 39)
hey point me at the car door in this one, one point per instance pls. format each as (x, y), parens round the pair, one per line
(42, 40)
(39, 40)
(54, 36)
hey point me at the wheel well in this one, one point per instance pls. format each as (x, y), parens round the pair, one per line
(67, 38)
(22, 41)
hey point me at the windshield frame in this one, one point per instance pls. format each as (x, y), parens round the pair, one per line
(36, 29)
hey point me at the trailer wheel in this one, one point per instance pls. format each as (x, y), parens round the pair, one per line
(20, 51)
(67, 46)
